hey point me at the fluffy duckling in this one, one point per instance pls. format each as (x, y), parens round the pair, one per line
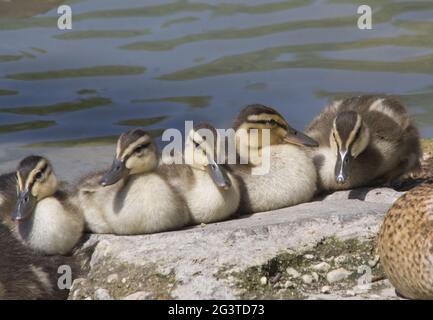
(289, 177)
(405, 243)
(364, 141)
(8, 198)
(133, 197)
(46, 220)
(211, 193)
(25, 275)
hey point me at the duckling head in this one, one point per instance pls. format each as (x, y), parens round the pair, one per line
(349, 138)
(136, 153)
(35, 181)
(262, 118)
(201, 151)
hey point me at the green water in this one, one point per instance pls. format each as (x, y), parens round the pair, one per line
(154, 64)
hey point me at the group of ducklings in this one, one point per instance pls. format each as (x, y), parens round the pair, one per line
(354, 142)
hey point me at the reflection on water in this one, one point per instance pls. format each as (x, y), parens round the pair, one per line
(154, 64)
(32, 125)
(59, 107)
(193, 102)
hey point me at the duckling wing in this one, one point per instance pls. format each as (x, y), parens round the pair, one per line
(8, 196)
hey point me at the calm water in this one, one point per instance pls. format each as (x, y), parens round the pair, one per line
(154, 64)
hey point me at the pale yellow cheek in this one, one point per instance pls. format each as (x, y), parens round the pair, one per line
(45, 189)
(35, 190)
(146, 163)
(134, 165)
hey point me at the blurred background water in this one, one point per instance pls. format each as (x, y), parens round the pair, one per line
(153, 64)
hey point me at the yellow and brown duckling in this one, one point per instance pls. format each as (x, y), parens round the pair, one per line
(405, 243)
(364, 141)
(8, 198)
(45, 218)
(210, 191)
(27, 275)
(134, 196)
(287, 175)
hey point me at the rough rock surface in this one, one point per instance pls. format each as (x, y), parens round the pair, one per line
(231, 259)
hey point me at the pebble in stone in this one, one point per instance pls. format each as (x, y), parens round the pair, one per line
(263, 281)
(276, 278)
(325, 289)
(372, 263)
(288, 284)
(337, 275)
(340, 259)
(315, 276)
(112, 278)
(307, 279)
(309, 256)
(102, 294)
(293, 272)
(321, 267)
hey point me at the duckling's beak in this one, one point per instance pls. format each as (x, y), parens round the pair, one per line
(117, 172)
(342, 167)
(300, 139)
(218, 175)
(26, 203)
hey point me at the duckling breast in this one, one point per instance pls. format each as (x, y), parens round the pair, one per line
(52, 229)
(290, 179)
(209, 203)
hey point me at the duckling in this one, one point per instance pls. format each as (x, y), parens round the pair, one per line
(211, 193)
(8, 198)
(25, 275)
(133, 197)
(46, 220)
(405, 243)
(290, 177)
(364, 141)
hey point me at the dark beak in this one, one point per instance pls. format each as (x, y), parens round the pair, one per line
(117, 172)
(300, 139)
(342, 167)
(218, 175)
(26, 203)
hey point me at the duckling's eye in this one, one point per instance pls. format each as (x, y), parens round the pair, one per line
(140, 148)
(38, 175)
(272, 122)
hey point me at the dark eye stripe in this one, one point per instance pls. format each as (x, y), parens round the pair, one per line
(137, 149)
(283, 126)
(143, 146)
(44, 168)
(41, 172)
